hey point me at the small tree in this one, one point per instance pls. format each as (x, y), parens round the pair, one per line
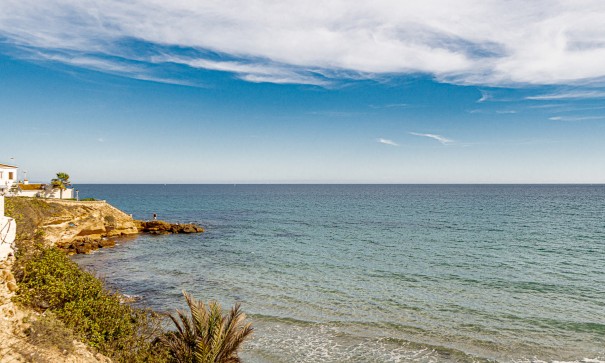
(61, 182)
(207, 335)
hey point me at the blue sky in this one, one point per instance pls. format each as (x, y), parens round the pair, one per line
(332, 92)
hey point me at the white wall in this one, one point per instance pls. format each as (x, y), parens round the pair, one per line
(55, 193)
(4, 176)
(8, 231)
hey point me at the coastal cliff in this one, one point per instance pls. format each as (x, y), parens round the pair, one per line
(81, 226)
(77, 227)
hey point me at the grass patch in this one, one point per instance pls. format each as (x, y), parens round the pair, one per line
(28, 214)
(50, 332)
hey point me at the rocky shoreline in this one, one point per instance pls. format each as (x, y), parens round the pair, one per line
(88, 244)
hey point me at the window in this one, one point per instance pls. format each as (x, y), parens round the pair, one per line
(11, 175)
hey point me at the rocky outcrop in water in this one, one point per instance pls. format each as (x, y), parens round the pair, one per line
(163, 227)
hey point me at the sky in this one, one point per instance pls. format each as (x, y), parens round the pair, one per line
(311, 91)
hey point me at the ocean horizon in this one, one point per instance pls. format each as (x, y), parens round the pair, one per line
(377, 272)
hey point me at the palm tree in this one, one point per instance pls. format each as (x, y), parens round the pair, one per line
(61, 182)
(206, 336)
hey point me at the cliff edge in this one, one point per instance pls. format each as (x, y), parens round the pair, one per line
(75, 226)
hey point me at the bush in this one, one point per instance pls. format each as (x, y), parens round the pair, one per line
(50, 281)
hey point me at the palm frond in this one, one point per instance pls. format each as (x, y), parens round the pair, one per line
(207, 335)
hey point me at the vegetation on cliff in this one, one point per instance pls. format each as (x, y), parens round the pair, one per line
(76, 303)
(49, 281)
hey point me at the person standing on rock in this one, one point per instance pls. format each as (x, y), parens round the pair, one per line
(155, 217)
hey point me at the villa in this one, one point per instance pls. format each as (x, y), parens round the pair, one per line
(10, 185)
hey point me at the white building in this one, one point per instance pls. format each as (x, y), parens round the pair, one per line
(8, 177)
(8, 230)
(10, 185)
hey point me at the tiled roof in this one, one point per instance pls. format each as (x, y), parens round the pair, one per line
(31, 186)
(7, 166)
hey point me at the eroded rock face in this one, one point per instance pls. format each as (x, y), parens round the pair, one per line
(77, 227)
(85, 222)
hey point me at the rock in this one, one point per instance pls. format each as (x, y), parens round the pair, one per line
(6, 275)
(162, 227)
(124, 298)
(156, 226)
(42, 304)
(188, 229)
(159, 232)
(104, 243)
(86, 248)
(12, 286)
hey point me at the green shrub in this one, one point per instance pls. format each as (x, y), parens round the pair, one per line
(50, 281)
(88, 199)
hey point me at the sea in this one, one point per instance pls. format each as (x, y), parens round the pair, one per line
(377, 273)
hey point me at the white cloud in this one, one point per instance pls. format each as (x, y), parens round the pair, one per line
(464, 42)
(576, 118)
(441, 139)
(387, 142)
(574, 95)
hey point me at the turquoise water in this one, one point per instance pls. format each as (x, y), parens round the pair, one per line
(378, 273)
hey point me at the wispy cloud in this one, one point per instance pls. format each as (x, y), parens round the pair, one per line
(485, 96)
(333, 113)
(568, 95)
(390, 105)
(441, 139)
(249, 71)
(576, 118)
(314, 42)
(387, 142)
(485, 111)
